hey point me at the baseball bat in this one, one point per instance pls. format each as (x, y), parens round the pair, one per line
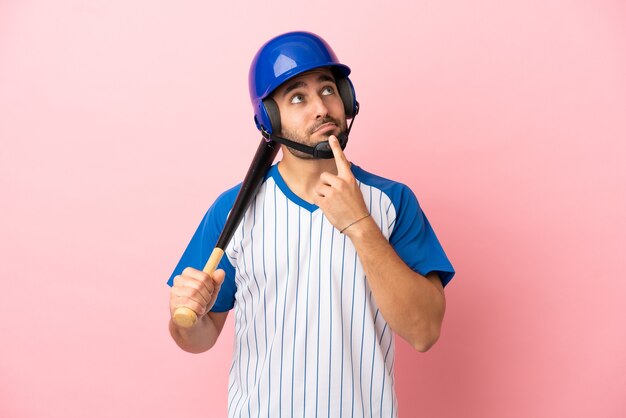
(261, 163)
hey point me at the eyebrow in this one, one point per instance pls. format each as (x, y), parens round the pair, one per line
(297, 84)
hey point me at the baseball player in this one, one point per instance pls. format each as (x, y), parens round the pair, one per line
(328, 264)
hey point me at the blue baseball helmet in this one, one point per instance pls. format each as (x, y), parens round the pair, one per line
(285, 57)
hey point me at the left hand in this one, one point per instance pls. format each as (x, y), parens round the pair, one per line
(339, 196)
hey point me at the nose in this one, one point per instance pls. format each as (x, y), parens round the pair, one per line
(320, 108)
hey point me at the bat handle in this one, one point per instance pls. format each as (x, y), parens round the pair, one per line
(186, 317)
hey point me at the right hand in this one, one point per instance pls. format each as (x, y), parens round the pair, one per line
(196, 290)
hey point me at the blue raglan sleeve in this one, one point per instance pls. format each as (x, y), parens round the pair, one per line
(414, 239)
(201, 245)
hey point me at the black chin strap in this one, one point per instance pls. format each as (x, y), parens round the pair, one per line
(321, 150)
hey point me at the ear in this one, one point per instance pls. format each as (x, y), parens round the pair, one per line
(346, 91)
(271, 108)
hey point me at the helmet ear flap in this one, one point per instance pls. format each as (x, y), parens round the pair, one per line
(271, 108)
(346, 91)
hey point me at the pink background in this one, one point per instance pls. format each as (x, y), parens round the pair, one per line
(121, 121)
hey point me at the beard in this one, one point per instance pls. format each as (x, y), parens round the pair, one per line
(305, 139)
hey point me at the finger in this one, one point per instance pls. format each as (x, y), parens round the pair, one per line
(323, 190)
(196, 274)
(191, 293)
(218, 278)
(199, 308)
(343, 165)
(203, 278)
(330, 179)
(186, 282)
(196, 279)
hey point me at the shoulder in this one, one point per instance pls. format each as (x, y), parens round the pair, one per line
(223, 204)
(228, 197)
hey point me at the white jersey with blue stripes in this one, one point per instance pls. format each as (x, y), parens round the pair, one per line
(310, 340)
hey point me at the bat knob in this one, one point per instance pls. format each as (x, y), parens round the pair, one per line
(184, 317)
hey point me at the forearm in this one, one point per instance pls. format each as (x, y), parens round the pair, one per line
(199, 338)
(412, 304)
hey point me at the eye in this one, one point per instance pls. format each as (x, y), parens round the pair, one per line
(328, 91)
(298, 98)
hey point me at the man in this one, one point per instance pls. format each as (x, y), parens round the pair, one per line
(327, 261)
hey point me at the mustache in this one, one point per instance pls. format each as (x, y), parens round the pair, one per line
(323, 121)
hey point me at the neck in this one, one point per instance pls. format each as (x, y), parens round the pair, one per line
(302, 176)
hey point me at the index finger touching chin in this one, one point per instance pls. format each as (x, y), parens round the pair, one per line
(340, 158)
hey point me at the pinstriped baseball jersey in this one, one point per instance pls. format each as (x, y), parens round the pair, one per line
(309, 337)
